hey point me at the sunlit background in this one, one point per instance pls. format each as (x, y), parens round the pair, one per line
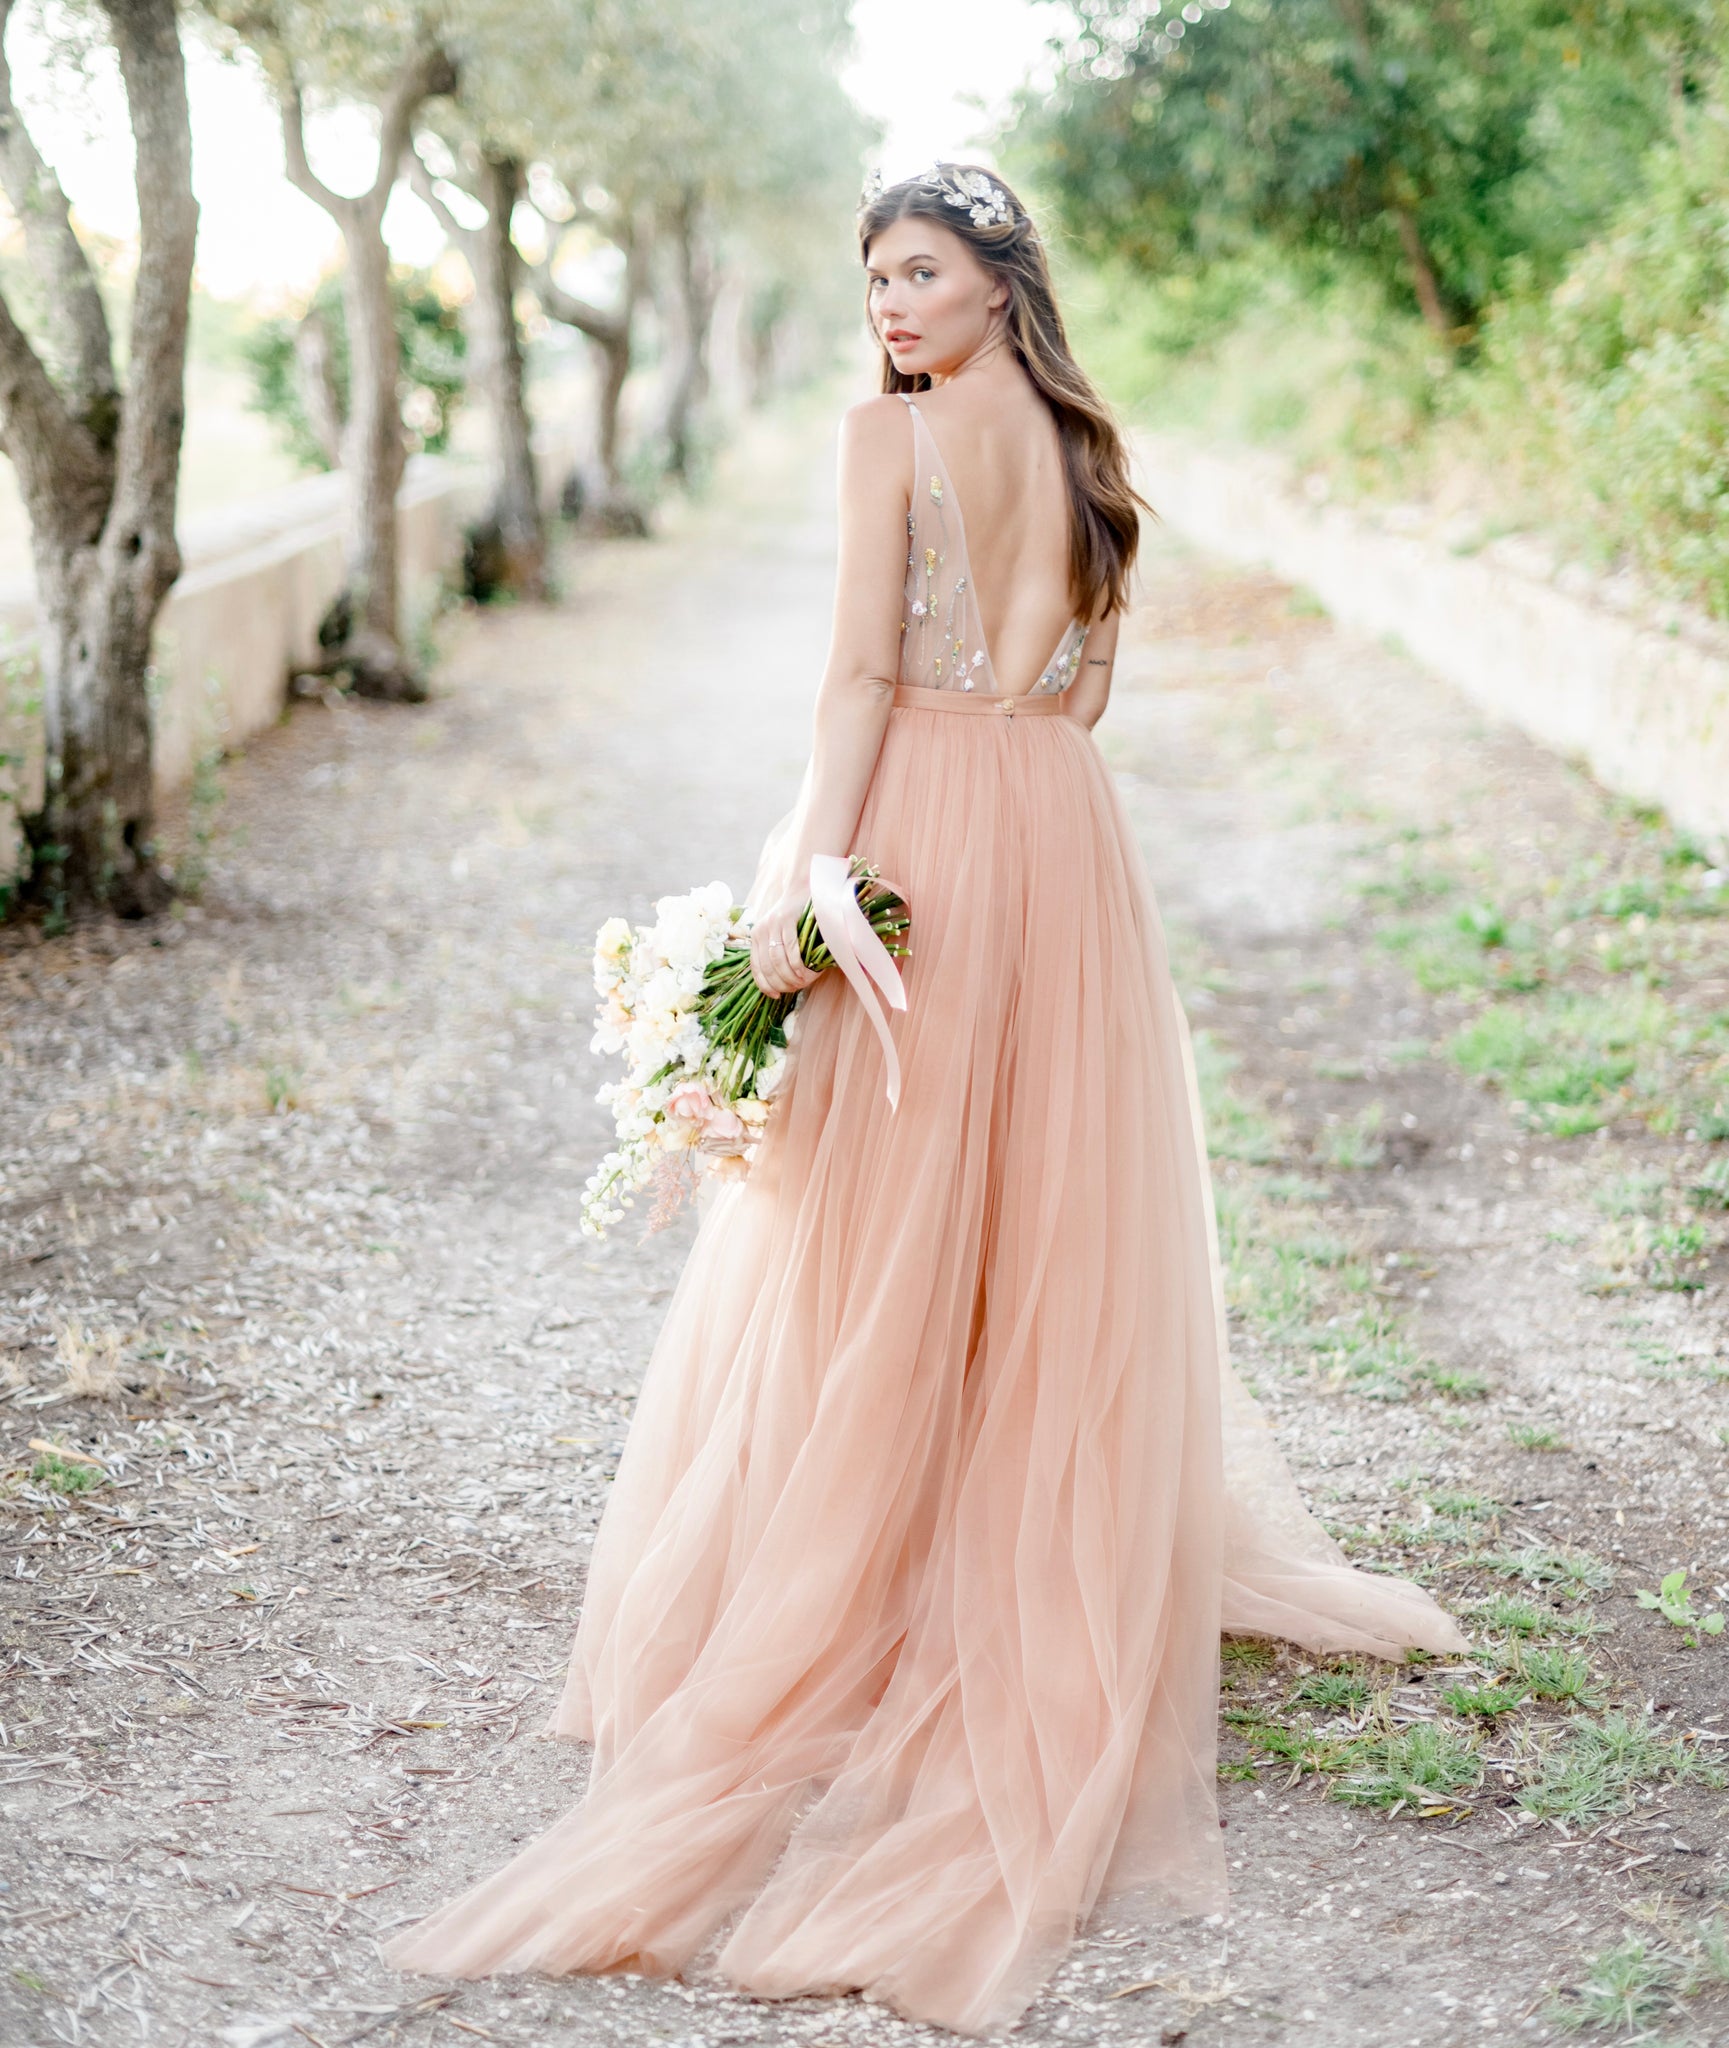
(936, 78)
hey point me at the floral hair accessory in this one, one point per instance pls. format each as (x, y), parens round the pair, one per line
(872, 188)
(988, 204)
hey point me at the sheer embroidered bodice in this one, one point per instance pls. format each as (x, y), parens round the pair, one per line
(943, 644)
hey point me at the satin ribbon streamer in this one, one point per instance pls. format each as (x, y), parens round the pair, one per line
(859, 954)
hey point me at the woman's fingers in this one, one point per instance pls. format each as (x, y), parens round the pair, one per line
(776, 964)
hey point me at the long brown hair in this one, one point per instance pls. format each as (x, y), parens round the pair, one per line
(1104, 507)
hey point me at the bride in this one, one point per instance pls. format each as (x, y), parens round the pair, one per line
(900, 1644)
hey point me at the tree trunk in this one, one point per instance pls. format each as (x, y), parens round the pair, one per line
(495, 360)
(374, 455)
(1424, 282)
(315, 371)
(100, 484)
(613, 336)
(373, 448)
(90, 842)
(503, 375)
(695, 285)
(767, 315)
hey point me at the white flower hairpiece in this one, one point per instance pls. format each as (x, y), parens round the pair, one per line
(988, 204)
(872, 189)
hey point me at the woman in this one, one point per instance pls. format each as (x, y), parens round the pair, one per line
(900, 1644)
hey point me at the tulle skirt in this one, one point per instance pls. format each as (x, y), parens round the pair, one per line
(900, 1641)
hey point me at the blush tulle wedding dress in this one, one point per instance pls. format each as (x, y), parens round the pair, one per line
(900, 1643)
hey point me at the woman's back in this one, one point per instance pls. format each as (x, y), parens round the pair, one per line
(998, 442)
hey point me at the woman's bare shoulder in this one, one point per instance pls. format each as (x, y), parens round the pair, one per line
(875, 437)
(878, 422)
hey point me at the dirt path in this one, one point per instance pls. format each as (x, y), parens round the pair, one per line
(288, 1217)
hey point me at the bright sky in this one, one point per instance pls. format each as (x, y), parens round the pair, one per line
(933, 73)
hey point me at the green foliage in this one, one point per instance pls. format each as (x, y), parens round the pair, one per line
(1394, 238)
(66, 1475)
(1431, 147)
(433, 349)
(1235, 1128)
(1623, 369)
(1674, 1602)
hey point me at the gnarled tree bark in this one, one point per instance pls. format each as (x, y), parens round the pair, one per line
(613, 336)
(99, 468)
(374, 451)
(495, 355)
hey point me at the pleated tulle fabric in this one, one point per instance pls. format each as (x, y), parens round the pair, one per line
(900, 1642)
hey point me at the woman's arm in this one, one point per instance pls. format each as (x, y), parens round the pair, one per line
(852, 705)
(1089, 693)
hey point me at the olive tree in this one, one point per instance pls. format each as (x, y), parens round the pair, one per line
(97, 457)
(396, 63)
(491, 178)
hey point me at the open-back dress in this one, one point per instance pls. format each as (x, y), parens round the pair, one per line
(900, 1643)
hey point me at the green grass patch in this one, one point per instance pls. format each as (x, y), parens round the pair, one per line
(1354, 1143)
(1572, 1572)
(66, 1475)
(1534, 1436)
(1249, 1655)
(1420, 1767)
(1562, 1677)
(1588, 1771)
(1482, 1702)
(1629, 1987)
(1505, 1614)
(1569, 1061)
(1631, 1194)
(1236, 1128)
(1343, 1690)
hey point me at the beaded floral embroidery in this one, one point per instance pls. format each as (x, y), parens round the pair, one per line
(939, 618)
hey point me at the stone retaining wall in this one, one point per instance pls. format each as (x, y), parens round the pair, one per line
(1591, 667)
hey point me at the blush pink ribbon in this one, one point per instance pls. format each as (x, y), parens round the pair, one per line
(859, 954)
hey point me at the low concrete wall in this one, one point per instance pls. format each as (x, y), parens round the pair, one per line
(258, 577)
(237, 624)
(1591, 667)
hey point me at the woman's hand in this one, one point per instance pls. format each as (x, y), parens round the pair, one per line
(776, 964)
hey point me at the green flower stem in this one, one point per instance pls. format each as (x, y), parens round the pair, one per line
(743, 1023)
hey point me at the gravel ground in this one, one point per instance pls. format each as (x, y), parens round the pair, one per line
(288, 1236)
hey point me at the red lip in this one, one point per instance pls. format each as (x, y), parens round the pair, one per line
(898, 335)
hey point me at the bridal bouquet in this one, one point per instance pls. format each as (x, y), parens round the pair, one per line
(704, 1049)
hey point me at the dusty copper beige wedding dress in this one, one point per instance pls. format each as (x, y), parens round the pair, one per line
(900, 1643)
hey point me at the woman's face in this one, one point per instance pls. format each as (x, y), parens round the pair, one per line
(932, 302)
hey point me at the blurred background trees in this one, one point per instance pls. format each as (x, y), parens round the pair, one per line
(1466, 247)
(641, 171)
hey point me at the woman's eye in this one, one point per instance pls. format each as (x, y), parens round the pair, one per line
(922, 272)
